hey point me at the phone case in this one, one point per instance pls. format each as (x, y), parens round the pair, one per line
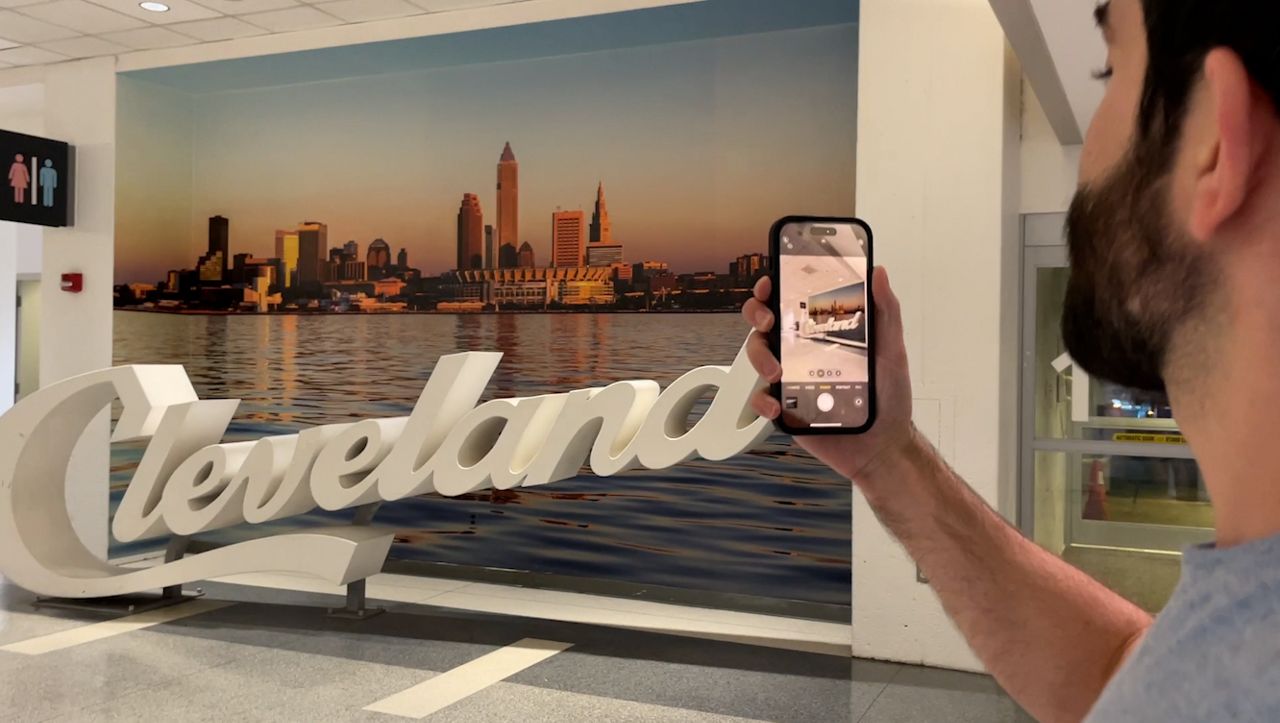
(775, 335)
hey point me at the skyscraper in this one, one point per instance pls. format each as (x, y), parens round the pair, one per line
(508, 198)
(525, 259)
(402, 259)
(220, 240)
(313, 244)
(287, 252)
(379, 256)
(601, 229)
(490, 261)
(470, 233)
(568, 238)
(352, 249)
(509, 256)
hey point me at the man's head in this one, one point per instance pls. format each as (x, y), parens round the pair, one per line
(1172, 178)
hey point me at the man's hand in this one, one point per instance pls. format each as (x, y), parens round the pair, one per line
(853, 456)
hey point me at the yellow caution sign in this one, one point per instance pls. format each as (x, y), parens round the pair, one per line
(1151, 438)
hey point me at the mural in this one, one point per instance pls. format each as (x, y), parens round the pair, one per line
(310, 232)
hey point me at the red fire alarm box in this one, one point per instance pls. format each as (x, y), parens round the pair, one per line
(73, 283)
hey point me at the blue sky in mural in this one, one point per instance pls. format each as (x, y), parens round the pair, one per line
(616, 31)
(705, 122)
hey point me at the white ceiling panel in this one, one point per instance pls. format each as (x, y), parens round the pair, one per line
(18, 3)
(358, 11)
(218, 29)
(179, 11)
(83, 16)
(242, 7)
(29, 55)
(302, 17)
(84, 47)
(15, 26)
(6, 44)
(435, 6)
(149, 38)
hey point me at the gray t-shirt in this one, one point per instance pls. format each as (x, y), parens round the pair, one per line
(1214, 652)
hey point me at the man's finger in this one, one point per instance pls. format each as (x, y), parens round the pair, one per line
(762, 358)
(765, 405)
(763, 289)
(758, 315)
(888, 315)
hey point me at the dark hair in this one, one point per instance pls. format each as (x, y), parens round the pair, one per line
(1180, 34)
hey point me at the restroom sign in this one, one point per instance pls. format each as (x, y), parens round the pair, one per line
(36, 185)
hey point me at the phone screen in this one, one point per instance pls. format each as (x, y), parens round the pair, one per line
(825, 325)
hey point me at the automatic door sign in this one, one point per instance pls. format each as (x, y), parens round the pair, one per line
(37, 180)
(1150, 438)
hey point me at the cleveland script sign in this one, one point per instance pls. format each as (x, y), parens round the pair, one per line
(189, 481)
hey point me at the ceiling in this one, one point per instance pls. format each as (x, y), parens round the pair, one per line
(36, 32)
(1059, 48)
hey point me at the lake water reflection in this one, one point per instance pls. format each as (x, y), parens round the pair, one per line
(773, 523)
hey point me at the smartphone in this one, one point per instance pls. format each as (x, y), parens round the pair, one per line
(823, 332)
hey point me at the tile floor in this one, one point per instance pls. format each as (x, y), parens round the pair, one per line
(272, 654)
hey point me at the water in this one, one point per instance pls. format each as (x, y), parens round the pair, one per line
(773, 523)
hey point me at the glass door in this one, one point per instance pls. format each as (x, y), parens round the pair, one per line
(1108, 481)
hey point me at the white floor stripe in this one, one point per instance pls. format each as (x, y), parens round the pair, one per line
(836, 643)
(745, 628)
(110, 628)
(448, 688)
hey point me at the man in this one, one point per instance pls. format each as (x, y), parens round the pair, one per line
(1175, 244)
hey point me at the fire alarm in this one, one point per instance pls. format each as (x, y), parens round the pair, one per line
(73, 283)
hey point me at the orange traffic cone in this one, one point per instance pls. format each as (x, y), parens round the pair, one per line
(1095, 503)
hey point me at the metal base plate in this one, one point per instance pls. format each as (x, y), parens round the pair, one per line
(355, 614)
(120, 605)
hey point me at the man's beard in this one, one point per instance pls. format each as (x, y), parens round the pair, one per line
(1136, 279)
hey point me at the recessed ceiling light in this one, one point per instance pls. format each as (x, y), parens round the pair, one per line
(154, 7)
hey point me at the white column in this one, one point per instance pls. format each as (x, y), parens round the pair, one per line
(938, 164)
(80, 108)
(21, 112)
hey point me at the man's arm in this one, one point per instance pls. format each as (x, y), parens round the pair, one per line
(1051, 635)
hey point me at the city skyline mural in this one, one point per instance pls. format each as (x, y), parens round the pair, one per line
(308, 233)
(696, 160)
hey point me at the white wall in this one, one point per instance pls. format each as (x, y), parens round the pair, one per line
(80, 108)
(1049, 169)
(938, 127)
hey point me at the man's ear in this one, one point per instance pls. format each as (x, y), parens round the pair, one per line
(1224, 150)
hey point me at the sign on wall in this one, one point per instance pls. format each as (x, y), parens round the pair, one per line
(37, 180)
